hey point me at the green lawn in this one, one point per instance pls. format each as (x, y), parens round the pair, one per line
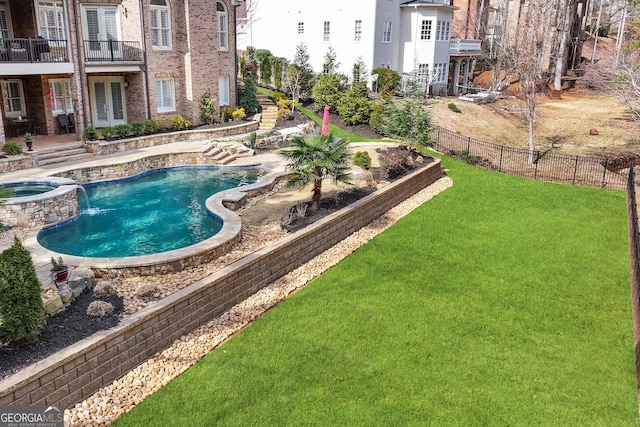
(502, 301)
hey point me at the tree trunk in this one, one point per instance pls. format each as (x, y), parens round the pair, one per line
(317, 194)
(562, 48)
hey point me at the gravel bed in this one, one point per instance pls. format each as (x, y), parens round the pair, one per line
(113, 400)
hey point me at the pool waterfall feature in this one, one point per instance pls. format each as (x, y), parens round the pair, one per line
(222, 205)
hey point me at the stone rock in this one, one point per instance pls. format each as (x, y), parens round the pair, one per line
(53, 305)
(82, 277)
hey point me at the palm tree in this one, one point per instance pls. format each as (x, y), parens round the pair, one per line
(314, 158)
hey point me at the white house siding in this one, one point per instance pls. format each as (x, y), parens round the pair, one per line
(274, 26)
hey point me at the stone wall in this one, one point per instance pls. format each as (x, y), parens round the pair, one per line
(110, 147)
(14, 163)
(75, 373)
(44, 209)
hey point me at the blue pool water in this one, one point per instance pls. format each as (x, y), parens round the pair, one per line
(28, 189)
(155, 212)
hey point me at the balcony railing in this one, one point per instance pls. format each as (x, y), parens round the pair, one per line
(33, 50)
(465, 47)
(112, 51)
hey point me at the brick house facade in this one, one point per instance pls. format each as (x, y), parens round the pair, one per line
(111, 62)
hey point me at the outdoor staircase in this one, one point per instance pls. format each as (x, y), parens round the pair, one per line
(269, 112)
(66, 153)
(226, 152)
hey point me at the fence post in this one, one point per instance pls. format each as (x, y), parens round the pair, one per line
(634, 256)
(469, 145)
(575, 170)
(604, 173)
(535, 172)
(111, 49)
(500, 164)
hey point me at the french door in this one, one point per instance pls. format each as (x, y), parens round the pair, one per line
(108, 101)
(101, 33)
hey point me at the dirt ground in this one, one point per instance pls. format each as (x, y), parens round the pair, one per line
(565, 122)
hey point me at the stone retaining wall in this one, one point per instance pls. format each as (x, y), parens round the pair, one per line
(14, 163)
(48, 208)
(76, 372)
(110, 147)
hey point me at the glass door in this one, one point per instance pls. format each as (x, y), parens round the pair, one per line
(107, 101)
(102, 41)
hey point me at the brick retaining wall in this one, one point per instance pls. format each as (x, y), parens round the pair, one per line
(75, 373)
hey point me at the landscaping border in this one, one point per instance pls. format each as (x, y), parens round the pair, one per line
(76, 372)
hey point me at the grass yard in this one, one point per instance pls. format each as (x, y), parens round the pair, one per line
(502, 301)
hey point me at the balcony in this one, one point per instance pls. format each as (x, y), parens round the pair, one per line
(112, 51)
(462, 47)
(33, 50)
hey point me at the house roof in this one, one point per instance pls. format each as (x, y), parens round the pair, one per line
(427, 2)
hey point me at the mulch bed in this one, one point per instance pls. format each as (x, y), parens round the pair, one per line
(60, 331)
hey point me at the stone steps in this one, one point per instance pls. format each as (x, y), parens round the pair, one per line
(268, 118)
(67, 153)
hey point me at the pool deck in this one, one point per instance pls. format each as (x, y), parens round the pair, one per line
(41, 258)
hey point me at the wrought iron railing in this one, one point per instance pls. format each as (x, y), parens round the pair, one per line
(33, 49)
(112, 51)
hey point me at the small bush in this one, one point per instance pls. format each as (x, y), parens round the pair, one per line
(277, 96)
(108, 133)
(179, 123)
(103, 289)
(151, 126)
(284, 114)
(362, 159)
(469, 158)
(11, 148)
(354, 105)
(146, 290)
(396, 164)
(122, 131)
(160, 123)
(454, 108)
(226, 113)
(21, 307)
(376, 118)
(99, 308)
(238, 114)
(137, 128)
(207, 107)
(252, 140)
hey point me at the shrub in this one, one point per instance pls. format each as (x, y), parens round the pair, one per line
(238, 114)
(226, 113)
(253, 137)
(277, 96)
(328, 90)
(410, 121)
(376, 117)
(160, 122)
(362, 159)
(137, 128)
(151, 126)
(207, 107)
(11, 148)
(387, 81)
(354, 105)
(179, 123)
(396, 163)
(286, 104)
(99, 308)
(122, 131)
(146, 290)
(108, 133)
(103, 289)
(454, 108)
(21, 307)
(284, 114)
(249, 100)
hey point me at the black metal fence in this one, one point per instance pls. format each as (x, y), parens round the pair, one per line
(542, 165)
(112, 51)
(33, 50)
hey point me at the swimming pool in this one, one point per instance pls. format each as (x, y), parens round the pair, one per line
(26, 189)
(154, 212)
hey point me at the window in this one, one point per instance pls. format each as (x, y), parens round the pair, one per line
(327, 31)
(358, 31)
(52, 22)
(60, 96)
(160, 24)
(386, 32)
(443, 30)
(14, 98)
(165, 95)
(425, 32)
(423, 73)
(300, 27)
(223, 28)
(5, 24)
(440, 73)
(223, 90)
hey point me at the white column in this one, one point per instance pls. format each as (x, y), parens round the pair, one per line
(456, 76)
(465, 79)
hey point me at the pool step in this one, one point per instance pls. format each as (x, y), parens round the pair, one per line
(62, 154)
(226, 152)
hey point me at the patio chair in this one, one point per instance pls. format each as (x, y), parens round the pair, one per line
(66, 123)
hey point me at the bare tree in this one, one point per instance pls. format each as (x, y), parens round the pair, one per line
(293, 78)
(566, 14)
